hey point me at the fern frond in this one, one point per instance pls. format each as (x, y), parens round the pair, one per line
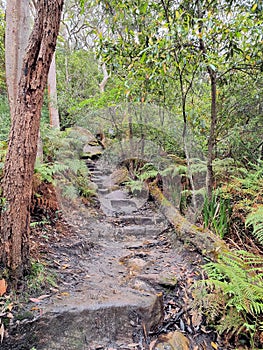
(232, 322)
(255, 219)
(135, 185)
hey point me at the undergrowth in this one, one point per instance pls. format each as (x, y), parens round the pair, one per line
(255, 219)
(231, 297)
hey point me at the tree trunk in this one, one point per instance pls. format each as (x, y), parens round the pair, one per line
(213, 123)
(105, 78)
(52, 95)
(22, 147)
(212, 137)
(16, 40)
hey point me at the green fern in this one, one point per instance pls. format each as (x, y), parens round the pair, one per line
(255, 219)
(135, 185)
(232, 295)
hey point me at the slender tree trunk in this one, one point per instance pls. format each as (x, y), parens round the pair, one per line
(40, 152)
(52, 95)
(187, 156)
(22, 147)
(105, 78)
(16, 40)
(213, 117)
(212, 137)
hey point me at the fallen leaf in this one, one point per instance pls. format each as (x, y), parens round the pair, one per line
(2, 333)
(65, 266)
(133, 345)
(44, 296)
(3, 287)
(35, 300)
(35, 308)
(214, 345)
(153, 343)
(10, 306)
(196, 318)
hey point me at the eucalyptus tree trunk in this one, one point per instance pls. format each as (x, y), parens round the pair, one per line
(105, 77)
(22, 147)
(16, 40)
(52, 95)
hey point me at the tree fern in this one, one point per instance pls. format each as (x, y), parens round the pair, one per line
(255, 219)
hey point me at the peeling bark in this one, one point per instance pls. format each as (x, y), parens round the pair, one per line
(22, 147)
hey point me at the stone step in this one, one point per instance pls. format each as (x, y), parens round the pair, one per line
(79, 323)
(98, 178)
(98, 181)
(97, 173)
(103, 191)
(141, 220)
(123, 205)
(122, 202)
(137, 230)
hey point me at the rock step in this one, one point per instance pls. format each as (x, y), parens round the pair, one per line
(99, 183)
(136, 230)
(120, 204)
(83, 323)
(103, 191)
(97, 172)
(141, 220)
(97, 178)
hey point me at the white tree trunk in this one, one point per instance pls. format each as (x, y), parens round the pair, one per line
(105, 78)
(16, 40)
(52, 95)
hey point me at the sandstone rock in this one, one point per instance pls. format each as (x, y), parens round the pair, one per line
(77, 323)
(117, 177)
(172, 341)
(91, 151)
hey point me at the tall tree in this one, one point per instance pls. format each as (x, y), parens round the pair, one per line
(22, 147)
(16, 40)
(52, 95)
(166, 40)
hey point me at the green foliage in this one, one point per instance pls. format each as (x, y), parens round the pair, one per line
(244, 192)
(255, 219)
(232, 295)
(78, 79)
(144, 173)
(66, 170)
(39, 277)
(4, 118)
(216, 214)
(47, 171)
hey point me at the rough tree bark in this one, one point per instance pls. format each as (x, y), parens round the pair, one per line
(22, 147)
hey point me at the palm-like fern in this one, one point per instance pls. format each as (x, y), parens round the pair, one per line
(255, 219)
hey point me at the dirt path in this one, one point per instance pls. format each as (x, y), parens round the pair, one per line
(122, 281)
